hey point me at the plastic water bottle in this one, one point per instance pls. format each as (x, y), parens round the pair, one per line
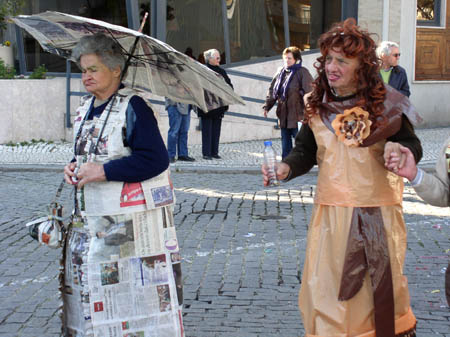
(270, 159)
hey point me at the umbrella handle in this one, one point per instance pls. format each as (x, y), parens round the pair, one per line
(143, 22)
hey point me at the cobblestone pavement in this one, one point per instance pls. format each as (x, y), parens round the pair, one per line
(246, 155)
(243, 248)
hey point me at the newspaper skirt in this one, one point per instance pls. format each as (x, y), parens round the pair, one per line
(323, 314)
(121, 276)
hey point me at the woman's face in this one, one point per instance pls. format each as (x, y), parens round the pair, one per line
(288, 59)
(214, 60)
(341, 72)
(97, 78)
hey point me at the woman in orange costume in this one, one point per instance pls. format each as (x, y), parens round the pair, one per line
(353, 283)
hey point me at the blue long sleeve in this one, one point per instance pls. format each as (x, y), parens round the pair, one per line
(149, 156)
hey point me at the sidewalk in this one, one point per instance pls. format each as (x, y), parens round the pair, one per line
(244, 157)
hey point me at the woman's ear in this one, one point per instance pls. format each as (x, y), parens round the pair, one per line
(116, 72)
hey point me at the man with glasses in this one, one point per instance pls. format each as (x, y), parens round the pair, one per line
(390, 71)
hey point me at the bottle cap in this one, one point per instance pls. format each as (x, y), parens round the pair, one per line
(268, 143)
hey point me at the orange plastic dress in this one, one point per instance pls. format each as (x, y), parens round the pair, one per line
(350, 177)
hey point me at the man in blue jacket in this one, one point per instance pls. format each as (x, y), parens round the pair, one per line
(390, 71)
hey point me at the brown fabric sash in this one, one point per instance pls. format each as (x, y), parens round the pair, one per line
(367, 249)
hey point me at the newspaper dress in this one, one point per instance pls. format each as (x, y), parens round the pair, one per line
(121, 257)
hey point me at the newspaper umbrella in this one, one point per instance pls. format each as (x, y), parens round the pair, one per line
(153, 66)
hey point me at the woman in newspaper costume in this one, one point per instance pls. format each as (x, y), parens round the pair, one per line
(121, 269)
(352, 280)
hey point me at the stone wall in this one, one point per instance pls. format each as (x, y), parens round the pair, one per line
(33, 109)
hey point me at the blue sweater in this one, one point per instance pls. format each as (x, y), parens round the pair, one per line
(149, 156)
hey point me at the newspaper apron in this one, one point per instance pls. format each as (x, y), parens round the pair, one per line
(122, 272)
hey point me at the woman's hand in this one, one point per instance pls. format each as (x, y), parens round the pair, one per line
(265, 112)
(69, 173)
(282, 172)
(409, 169)
(394, 158)
(90, 172)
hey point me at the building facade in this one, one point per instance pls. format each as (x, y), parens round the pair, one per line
(251, 35)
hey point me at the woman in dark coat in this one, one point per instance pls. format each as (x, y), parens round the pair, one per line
(288, 86)
(212, 120)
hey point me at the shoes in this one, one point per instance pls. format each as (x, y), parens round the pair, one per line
(207, 157)
(172, 160)
(186, 158)
(217, 156)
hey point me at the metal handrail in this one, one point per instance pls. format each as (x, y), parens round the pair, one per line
(249, 75)
(70, 93)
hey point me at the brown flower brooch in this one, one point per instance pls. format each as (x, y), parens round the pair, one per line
(352, 127)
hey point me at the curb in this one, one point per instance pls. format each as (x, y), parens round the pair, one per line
(31, 168)
(224, 170)
(58, 168)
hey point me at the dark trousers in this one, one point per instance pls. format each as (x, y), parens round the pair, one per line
(286, 140)
(210, 136)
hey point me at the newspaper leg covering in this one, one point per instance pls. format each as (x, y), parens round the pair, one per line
(123, 276)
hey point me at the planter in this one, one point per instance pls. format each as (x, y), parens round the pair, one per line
(6, 54)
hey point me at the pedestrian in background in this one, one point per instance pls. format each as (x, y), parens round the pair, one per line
(212, 120)
(177, 136)
(434, 188)
(189, 52)
(288, 86)
(201, 58)
(390, 71)
(352, 279)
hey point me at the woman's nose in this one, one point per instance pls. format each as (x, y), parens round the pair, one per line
(331, 65)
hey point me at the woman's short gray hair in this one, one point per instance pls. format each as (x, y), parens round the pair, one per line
(209, 54)
(106, 48)
(385, 48)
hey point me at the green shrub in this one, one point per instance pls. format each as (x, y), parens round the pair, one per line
(6, 72)
(9, 8)
(38, 73)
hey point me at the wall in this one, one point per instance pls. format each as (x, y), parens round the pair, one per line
(33, 109)
(41, 115)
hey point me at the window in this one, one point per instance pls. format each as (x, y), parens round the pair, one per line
(429, 13)
(307, 20)
(195, 24)
(256, 29)
(111, 11)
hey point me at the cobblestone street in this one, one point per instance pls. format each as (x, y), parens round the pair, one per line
(243, 249)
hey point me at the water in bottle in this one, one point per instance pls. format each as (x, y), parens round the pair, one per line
(270, 159)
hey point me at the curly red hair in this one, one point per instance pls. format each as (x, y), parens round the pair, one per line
(353, 42)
